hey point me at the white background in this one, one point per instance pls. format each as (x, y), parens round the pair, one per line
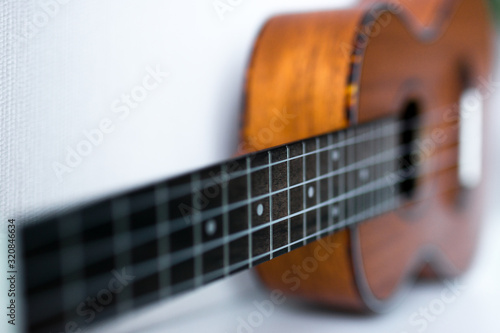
(63, 79)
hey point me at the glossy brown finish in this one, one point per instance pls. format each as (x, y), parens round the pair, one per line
(426, 51)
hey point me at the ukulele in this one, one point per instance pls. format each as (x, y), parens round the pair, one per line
(359, 170)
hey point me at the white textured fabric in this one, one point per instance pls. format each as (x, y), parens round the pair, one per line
(64, 64)
(15, 93)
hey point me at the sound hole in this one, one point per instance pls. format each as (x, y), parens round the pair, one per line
(410, 123)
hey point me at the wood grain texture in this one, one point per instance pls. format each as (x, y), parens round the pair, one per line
(313, 72)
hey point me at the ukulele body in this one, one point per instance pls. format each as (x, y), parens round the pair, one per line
(330, 70)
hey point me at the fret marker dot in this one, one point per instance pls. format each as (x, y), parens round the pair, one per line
(364, 174)
(211, 227)
(260, 209)
(335, 211)
(310, 192)
(335, 155)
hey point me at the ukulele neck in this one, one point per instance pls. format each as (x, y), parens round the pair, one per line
(180, 234)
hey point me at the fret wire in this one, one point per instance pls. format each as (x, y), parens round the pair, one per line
(161, 197)
(388, 143)
(370, 147)
(369, 199)
(197, 230)
(304, 218)
(367, 173)
(317, 192)
(249, 209)
(71, 258)
(342, 180)
(330, 179)
(270, 174)
(225, 221)
(384, 146)
(374, 168)
(374, 173)
(359, 150)
(288, 197)
(121, 246)
(379, 168)
(349, 177)
(395, 143)
(364, 172)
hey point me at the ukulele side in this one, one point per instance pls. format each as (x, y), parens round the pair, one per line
(331, 69)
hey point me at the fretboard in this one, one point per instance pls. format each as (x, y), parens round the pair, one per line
(185, 232)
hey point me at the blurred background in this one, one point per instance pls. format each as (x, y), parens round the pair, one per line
(65, 67)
